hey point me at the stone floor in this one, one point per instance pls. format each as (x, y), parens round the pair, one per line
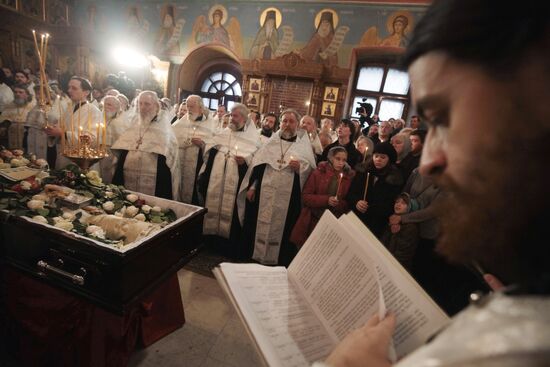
(212, 336)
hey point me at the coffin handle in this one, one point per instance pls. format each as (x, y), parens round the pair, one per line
(76, 279)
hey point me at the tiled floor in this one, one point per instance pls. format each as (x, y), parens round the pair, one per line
(212, 336)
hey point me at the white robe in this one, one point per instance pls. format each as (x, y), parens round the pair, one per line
(276, 190)
(185, 130)
(6, 96)
(140, 166)
(18, 117)
(223, 185)
(38, 141)
(115, 128)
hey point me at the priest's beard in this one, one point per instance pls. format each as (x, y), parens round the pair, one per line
(146, 118)
(496, 218)
(267, 131)
(288, 133)
(193, 116)
(19, 102)
(234, 125)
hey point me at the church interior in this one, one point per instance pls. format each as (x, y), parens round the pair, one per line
(226, 121)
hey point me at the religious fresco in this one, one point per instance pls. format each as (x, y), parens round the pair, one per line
(168, 37)
(263, 30)
(213, 30)
(327, 39)
(398, 25)
(272, 40)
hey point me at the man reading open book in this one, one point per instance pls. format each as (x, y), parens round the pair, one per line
(474, 71)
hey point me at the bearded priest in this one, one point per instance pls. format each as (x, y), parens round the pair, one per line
(194, 132)
(227, 160)
(272, 189)
(148, 160)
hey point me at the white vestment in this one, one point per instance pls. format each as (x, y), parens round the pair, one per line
(116, 126)
(276, 190)
(144, 144)
(223, 185)
(38, 141)
(6, 96)
(18, 116)
(185, 130)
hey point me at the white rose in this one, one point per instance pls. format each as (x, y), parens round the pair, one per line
(42, 162)
(26, 185)
(35, 204)
(16, 162)
(156, 209)
(131, 211)
(95, 231)
(132, 197)
(108, 206)
(146, 209)
(68, 216)
(18, 152)
(42, 197)
(63, 224)
(58, 219)
(119, 214)
(109, 194)
(40, 219)
(140, 217)
(25, 161)
(33, 157)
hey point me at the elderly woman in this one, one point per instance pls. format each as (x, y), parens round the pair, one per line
(365, 146)
(405, 161)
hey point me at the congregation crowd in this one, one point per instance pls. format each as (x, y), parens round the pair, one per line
(265, 180)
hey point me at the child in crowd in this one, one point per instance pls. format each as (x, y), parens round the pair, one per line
(326, 188)
(402, 239)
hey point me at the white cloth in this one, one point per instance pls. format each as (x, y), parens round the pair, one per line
(140, 167)
(224, 177)
(276, 190)
(6, 96)
(37, 140)
(116, 126)
(185, 130)
(505, 331)
(18, 116)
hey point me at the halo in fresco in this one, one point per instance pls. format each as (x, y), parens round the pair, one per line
(334, 17)
(391, 19)
(213, 9)
(278, 17)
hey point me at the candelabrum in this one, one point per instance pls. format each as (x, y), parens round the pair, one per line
(85, 153)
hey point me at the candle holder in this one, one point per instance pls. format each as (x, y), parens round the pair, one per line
(84, 155)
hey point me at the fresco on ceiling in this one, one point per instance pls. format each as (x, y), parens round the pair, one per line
(262, 30)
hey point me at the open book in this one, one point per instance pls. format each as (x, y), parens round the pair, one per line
(340, 278)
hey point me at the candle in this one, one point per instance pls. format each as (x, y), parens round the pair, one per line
(366, 187)
(61, 125)
(89, 129)
(236, 150)
(72, 126)
(97, 136)
(79, 134)
(104, 127)
(339, 183)
(43, 71)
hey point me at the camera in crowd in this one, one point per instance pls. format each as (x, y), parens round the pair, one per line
(364, 107)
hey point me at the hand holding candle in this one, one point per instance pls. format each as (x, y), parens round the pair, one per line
(341, 175)
(366, 187)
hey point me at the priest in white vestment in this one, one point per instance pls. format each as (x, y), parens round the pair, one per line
(118, 122)
(307, 123)
(227, 159)
(272, 189)
(15, 115)
(148, 159)
(80, 114)
(194, 132)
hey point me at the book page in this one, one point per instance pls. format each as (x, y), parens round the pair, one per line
(418, 316)
(284, 327)
(338, 278)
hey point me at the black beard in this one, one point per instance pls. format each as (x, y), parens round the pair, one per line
(497, 218)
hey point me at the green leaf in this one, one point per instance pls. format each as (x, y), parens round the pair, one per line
(118, 204)
(43, 212)
(156, 219)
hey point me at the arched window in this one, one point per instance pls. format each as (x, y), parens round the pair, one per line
(220, 88)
